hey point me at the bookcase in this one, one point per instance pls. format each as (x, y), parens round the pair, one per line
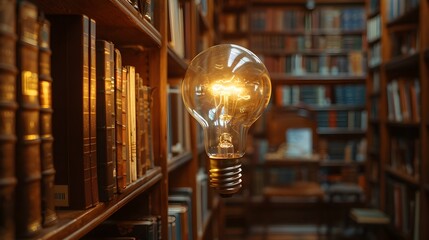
(316, 57)
(397, 102)
(76, 61)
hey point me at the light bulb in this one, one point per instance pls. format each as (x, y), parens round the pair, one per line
(226, 89)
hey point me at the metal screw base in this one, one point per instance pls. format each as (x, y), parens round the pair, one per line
(225, 176)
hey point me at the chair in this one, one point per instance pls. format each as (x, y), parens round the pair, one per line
(301, 186)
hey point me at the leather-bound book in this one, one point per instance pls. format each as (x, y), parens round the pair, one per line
(120, 168)
(71, 116)
(140, 127)
(93, 108)
(125, 126)
(49, 215)
(7, 115)
(105, 119)
(28, 216)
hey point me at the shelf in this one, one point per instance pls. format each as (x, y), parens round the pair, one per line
(281, 78)
(179, 160)
(309, 32)
(406, 64)
(337, 107)
(412, 16)
(403, 124)
(116, 20)
(340, 131)
(266, 2)
(176, 65)
(74, 224)
(308, 52)
(340, 163)
(402, 176)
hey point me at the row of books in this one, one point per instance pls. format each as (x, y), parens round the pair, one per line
(326, 43)
(231, 22)
(373, 29)
(176, 27)
(351, 63)
(405, 43)
(342, 119)
(73, 143)
(396, 8)
(320, 95)
(405, 155)
(343, 150)
(403, 207)
(374, 55)
(144, 8)
(178, 124)
(403, 100)
(278, 19)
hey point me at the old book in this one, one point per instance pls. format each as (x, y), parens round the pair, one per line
(49, 215)
(105, 119)
(125, 125)
(8, 107)
(93, 108)
(71, 118)
(120, 168)
(28, 217)
(140, 128)
(147, 125)
(131, 124)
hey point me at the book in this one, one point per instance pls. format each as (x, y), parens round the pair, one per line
(49, 215)
(120, 167)
(125, 125)
(369, 216)
(147, 125)
(140, 128)
(105, 120)
(141, 228)
(183, 196)
(8, 72)
(181, 214)
(93, 109)
(131, 124)
(28, 210)
(71, 118)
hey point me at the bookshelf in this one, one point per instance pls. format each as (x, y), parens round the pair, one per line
(396, 102)
(140, 34)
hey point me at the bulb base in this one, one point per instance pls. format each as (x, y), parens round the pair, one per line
(225, 176)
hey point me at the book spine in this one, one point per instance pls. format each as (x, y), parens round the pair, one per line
(125, 149)
(93, 110)
(147, 102)
(27, 152)
(141, 161)
(71, 121)
(131, 111)
(49, 215)
(112, 116)
(8, 107)
(105, 104)
(120, 178)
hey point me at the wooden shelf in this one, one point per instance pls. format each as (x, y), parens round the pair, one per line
(402, 176)
(411, 16)
(403, 64)
(179, 160)
(403, 124)
(338, 107)
(266, 2)
(74, 224)
(309, 32)
(116, 20)
(279, 78)
(340, 163)
(340, 131)
(176, 65)
(308, 52)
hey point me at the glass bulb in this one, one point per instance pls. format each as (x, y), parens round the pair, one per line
(226, 89)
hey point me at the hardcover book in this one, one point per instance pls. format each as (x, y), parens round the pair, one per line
(8, 107)
(105, 119)
(71, 118)
(49, 215)
(28, 216)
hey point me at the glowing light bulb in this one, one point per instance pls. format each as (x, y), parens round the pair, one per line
(226, 89)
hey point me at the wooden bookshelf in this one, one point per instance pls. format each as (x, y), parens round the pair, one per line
(409, 64)
(145, 44)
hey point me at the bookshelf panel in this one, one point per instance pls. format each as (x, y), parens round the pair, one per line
(75, 224)
(116, 20)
